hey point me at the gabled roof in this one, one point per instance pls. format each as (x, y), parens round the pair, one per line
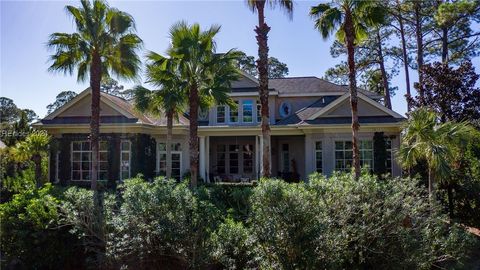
(316, 113)
(126, 108)
(293, 86)
(304, 113)
(361, 96)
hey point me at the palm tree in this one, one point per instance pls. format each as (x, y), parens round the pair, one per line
(170, 100)
(206, 75)
(351, 20)
(262, 30)
(33, 148)
(426, 139)
(104, 43)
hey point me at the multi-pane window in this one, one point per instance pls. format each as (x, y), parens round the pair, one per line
(176, 154)
(125, 157)
(344, 154)
(259, 111)
(233, 158)
(247, 111)
(318, 157)
(234, 113)
(82, 161)
(221, 156)
(366, 154)
(221, 112)
(285, 158)
(248, 158)
(388, 160)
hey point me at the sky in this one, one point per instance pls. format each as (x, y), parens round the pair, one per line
(26, 25)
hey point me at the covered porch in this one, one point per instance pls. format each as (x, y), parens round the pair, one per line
(238, 158)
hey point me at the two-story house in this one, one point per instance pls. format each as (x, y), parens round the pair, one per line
(310, 131)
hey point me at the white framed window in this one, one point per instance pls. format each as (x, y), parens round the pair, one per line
(234, 113)
(221, 114)
(366, 154)
(259, 112)
(81, 160)
(248, 158)
(344, 154)
(285, 158)
(388, 158)
(285, 109)
(247, 111)
(176, 153)
(125, 159)
(221, 157)
(233, 158)
(318, 157)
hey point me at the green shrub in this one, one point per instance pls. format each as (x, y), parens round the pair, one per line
(342, 223)
(233, 246)
(92, 229)
(385, 224)
(159, 222)
(232, 200)
(284, 225)
(31, 233)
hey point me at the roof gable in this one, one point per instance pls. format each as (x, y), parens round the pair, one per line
(366, 107)
(245, 81)
(80, 106)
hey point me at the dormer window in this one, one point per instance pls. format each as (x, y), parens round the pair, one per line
(285, 109)
(259, 111)
(247, 111)
(234, 113)
(221, 111)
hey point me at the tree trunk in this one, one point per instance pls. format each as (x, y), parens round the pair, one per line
(381, 61)
(37, 160)
(419, 37)
(95, 79)
(405, 60)
(350, 40)
(450, 200)
(431, 183)
(445, 45)
(169, 143)
(262, 65)
(194, 103)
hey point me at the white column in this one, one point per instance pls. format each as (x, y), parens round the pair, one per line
(202, 157)
(207, 159)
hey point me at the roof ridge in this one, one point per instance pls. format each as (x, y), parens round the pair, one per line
(295, 77)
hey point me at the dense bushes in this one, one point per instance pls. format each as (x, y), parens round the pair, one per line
(33, 236)
(334, 223)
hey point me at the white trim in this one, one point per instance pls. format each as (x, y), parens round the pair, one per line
(248, 76)
(172, 153)
(82, 95)
(330, 106)
(68, 104)
(251, 94)
(379, 106)
(360, 96)
(129, 151)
